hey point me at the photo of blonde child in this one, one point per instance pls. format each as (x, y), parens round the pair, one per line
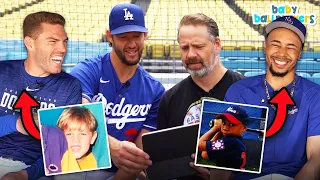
(75, 141)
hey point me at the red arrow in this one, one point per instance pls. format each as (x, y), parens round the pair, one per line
(25, 103)
(283, 99)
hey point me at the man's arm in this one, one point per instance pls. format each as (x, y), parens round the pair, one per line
(126, 155)
(142, 161)
(9, 124)
(13, 123)
(311, 170)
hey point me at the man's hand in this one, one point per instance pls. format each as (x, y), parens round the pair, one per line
(128, 157)
(20, 175)
(218, 122)
(204, 172)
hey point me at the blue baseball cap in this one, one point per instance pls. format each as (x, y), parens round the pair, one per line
(235, 114)
(126, 18)
(290, 23)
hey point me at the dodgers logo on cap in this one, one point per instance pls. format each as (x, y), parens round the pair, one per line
(127, 15)
(288, 22)
(126, 18)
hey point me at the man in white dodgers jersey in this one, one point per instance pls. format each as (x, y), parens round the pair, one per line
(129, 94)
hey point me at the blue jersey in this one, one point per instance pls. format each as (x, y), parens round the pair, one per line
(285, 152)
(55, 90)
(227, 152)
(129, 106)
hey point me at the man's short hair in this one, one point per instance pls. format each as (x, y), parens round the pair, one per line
(200, 19)
(32, 22)
(77, 118)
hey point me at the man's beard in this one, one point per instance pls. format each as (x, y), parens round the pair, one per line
(204, 70)
(123, 59)
(277, 74)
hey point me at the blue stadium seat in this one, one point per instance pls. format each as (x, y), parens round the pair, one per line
(100, 45)
(72, 49)
(253, 73)
(238, 58)
(74, 58)
(306, 59)
(245, 64)
(7, 42)
(316, 78)
(93, 52)
(76, 44)
(10, 48)
(18, 42)
(304, 74)
(259, 58)
(67, 69)
(308, 66)
(95, 49)
(3, 56)
(17, 55)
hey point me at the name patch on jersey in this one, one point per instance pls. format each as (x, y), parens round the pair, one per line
(217, 145)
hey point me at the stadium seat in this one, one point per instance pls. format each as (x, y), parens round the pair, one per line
(247, 48)
(174, 51)
(3, 56)
(306, 59)
(229, 47)
(316, 78)
(244, 64)
(145, 50)
(17, 55)
(304, 74)
(238, 58)
(67, 69)
(157, 51)
(253, 73)
(308, 66)
(316, 48)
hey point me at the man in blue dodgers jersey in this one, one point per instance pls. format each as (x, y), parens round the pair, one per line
(129, 94)
(294, 151)
(40, 75)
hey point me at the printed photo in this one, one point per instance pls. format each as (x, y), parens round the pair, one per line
(231, 136)
(74, 139)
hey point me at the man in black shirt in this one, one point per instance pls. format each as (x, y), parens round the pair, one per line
(200, 45)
